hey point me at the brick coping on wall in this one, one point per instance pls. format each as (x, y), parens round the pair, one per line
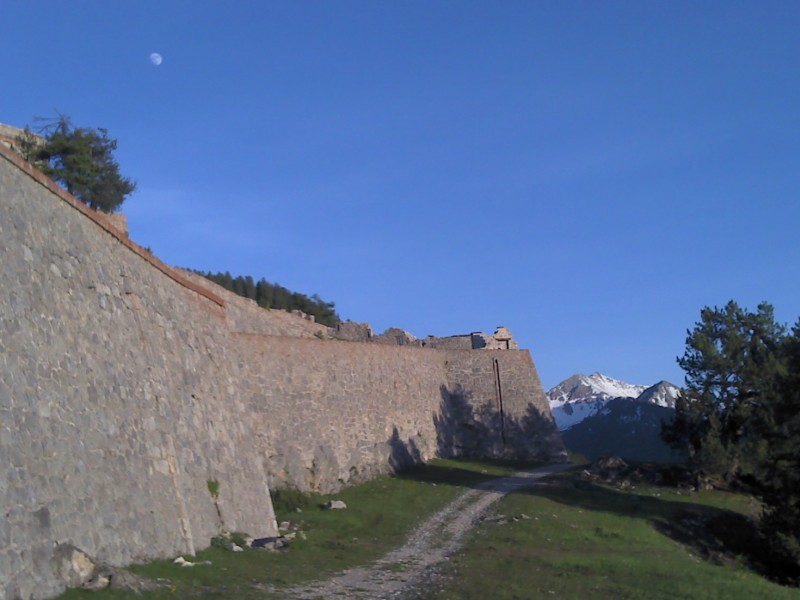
(105, 224)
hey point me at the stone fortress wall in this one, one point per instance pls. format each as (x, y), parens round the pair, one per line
(362, 332)
(9, 134)
(126, 386)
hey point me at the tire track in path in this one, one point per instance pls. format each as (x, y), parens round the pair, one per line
(412, 565)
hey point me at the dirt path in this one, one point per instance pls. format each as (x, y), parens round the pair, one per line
(412, 566)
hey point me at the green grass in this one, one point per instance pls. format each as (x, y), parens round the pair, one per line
(591, 541)
(582, 540)
(380, 514)
(213, 488)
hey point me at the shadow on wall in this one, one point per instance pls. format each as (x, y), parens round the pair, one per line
(403, 455)
(464, 429)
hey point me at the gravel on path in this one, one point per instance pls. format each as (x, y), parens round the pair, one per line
(412, 567)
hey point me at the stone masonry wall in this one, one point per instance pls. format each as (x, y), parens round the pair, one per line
(125, 386)
(118, 401)
(335, 412)
(331, 413)
(495, 406)
(244, 315)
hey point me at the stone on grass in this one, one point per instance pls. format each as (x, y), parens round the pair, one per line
(269, 543)
(495, 518)
(77, 569)
(100, 582)
(180, 561)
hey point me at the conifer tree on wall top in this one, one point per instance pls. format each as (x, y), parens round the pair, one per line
(81, 159)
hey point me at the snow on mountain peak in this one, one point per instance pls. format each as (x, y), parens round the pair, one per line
(582, 396)
(582, 388)
(663, 394)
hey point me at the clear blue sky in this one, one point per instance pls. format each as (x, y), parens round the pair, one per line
(589, 174)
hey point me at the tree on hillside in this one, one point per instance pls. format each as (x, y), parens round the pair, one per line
(739, 416)
(779, 481)
(272, 295)
(82, 160)
(732, 361)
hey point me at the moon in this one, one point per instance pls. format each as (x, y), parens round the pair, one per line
(155, 58)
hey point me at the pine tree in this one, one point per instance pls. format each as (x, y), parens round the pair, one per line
(780, 479)
(82, 160)
(262, 294)
(239, 287)
(273, 295)
(249, 287)
(732, 361)
(739, 415)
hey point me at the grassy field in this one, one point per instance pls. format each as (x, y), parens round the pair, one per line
(584, 540)
(568, 539)
(379, 517)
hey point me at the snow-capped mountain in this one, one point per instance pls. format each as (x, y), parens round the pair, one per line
(596, 386)
(662, 394)
(582, 396)
(598, 414)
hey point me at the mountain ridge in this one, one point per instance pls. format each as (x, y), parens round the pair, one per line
(582, 396)
(598, 414)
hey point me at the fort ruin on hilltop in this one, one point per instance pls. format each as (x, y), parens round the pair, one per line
(126, 386)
